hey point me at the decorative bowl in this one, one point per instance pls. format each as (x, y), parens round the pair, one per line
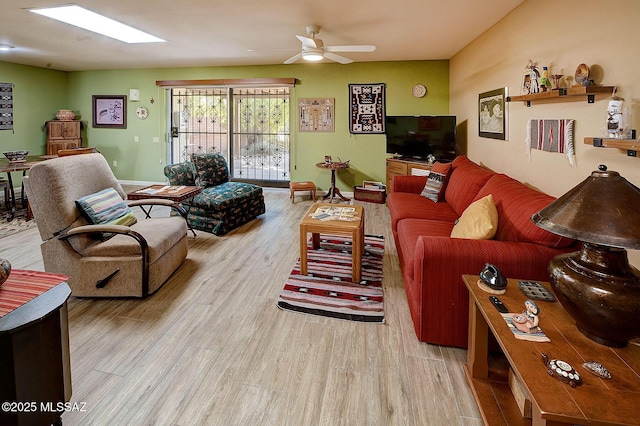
(65, 115)
(16, 156)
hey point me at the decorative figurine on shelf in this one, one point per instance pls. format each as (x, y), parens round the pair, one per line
(534, 75)
(545, 83)
(528, 320)
(615, 118)
(327, 159)
(555, 81)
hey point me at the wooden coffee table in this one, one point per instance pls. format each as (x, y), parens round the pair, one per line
(552, 402)
(177, 194)
(353, 229)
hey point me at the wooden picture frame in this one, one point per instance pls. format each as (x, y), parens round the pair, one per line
(109, 111)
(492, 114)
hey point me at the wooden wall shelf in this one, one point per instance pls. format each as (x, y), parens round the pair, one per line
(632, 146)
(562, 94)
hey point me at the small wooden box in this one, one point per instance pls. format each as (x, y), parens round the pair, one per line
(371, 195)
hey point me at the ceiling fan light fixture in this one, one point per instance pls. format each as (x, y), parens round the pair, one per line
(313, 55)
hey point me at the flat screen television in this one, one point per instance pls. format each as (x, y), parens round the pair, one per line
(420, 136)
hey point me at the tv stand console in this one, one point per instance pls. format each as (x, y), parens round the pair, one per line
(404, 167)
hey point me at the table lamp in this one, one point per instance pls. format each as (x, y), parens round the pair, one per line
(597, 285)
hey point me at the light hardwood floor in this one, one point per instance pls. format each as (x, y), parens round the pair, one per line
(211, 347)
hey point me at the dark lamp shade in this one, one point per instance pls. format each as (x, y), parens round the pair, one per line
(603, 209)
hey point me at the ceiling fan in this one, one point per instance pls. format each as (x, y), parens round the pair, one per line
(313, 49)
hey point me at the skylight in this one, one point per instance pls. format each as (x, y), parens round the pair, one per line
(83, 18)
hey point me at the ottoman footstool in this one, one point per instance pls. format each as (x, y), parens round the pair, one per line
(302, 186)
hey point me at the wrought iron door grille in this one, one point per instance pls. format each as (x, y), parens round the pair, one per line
(256, 148)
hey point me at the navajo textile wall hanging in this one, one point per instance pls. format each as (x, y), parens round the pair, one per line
(6, 106)
(316, 114)
(367, 108)
(551, 136)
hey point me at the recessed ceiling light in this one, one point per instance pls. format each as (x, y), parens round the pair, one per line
(5, 47)
(83, 18)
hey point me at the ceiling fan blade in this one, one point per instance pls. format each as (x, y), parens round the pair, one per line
(306, 41)
(355, 48)
(293, 59)
(337, 58)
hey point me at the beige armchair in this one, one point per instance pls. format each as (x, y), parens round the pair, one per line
(134, 262)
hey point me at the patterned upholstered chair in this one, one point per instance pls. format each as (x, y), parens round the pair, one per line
(222, 205)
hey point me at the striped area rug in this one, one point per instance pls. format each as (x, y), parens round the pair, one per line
(328, 290)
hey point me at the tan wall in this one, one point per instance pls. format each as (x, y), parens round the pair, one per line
(559, 34)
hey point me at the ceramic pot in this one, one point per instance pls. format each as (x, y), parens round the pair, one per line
(5, 270)
(65, 114)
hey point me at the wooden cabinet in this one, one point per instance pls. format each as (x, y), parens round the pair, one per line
(63, 135)
(397, 167)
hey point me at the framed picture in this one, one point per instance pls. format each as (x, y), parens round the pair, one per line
(492, 122)
(316, 114)
(110, 111)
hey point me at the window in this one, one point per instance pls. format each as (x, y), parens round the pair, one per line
(248, 125)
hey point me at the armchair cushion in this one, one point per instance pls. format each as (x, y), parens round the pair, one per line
(106, 207)
(211, 169)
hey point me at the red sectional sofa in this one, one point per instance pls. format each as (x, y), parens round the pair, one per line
(432, 263)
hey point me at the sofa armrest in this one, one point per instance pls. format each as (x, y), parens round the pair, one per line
(439, 265)
(412, 184)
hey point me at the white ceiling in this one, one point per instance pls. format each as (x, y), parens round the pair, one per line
(245, 32)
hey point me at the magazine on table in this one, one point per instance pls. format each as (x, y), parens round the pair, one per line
(335, 213)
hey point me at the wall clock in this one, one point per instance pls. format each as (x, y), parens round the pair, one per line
(142, 112)
(419, 90)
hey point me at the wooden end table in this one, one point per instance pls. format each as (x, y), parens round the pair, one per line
(35, 363)
(596, 401)
(177, 194)
(334, 191)
(353, 229)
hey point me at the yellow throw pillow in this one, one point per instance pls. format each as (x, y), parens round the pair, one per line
(479, 221)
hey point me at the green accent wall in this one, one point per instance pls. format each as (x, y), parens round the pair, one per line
(144, 160)
(38, 94)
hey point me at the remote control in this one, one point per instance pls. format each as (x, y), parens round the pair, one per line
(498, 304)
(535, 290)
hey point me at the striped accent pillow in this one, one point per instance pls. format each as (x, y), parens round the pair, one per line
(106, 207)
(434, 188)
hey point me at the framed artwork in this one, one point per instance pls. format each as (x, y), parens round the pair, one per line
(110, 111)
(492, 122)
(316, 114)
(367, 108)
